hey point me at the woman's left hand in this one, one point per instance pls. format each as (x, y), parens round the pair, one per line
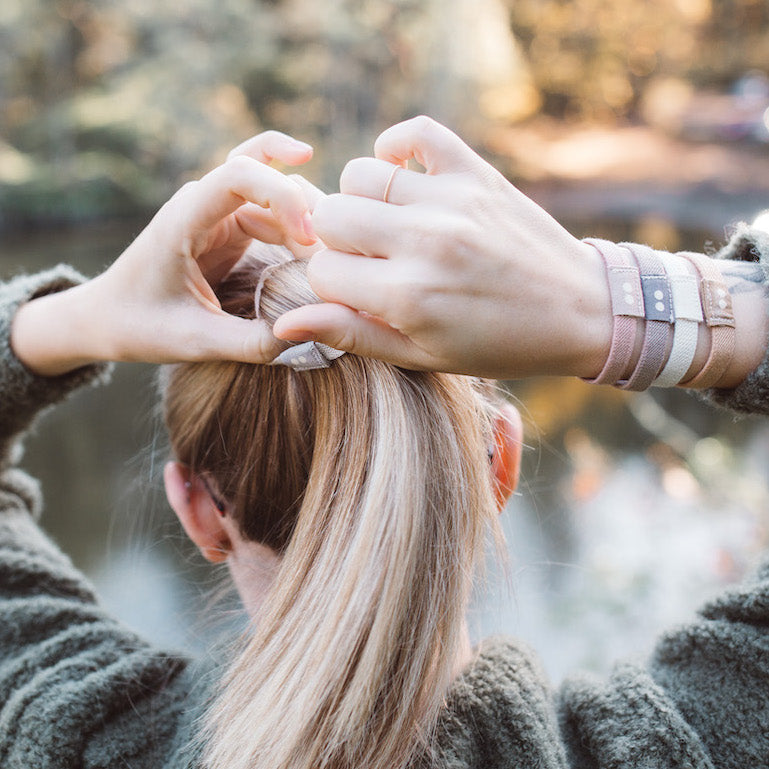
(156, 302)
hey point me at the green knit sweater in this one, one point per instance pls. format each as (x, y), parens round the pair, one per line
(78, 689)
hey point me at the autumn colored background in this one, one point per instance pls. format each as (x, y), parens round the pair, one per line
(625, 119)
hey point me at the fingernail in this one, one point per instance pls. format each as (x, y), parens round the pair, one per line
(298, 336)
(309, 230)
(294, 334)
(301, 145)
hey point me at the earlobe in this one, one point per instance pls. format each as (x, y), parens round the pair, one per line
(197, 512)
(506, 461)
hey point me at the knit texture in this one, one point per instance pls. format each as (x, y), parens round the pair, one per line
(24, 395)
(751, 396)
(499, 714)
(80, 691)
(77, 689)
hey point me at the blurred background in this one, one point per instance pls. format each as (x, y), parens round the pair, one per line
(631, 120)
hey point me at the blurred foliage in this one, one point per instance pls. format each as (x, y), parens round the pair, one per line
(107, 107)
(595, 59)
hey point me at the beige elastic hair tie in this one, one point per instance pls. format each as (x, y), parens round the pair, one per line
(389, 184)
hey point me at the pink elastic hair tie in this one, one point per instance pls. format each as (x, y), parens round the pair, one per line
(719, 317)
(627, 308)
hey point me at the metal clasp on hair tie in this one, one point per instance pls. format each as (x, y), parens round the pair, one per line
(307, 356)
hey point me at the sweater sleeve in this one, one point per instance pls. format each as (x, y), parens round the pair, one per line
(751, 396)
(716, 671)
(24, 395)
(701, 701)
(71, 676)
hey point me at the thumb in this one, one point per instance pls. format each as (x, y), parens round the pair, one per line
(431, 144)
(225, 337)
(346, 329)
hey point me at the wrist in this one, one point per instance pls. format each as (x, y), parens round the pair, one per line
(591, 325)
(50, 334)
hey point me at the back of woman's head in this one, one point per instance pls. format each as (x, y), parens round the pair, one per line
(373, 483)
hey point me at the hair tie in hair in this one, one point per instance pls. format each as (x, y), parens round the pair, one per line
(307, 356)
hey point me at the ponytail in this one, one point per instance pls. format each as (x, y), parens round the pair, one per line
(374, 484)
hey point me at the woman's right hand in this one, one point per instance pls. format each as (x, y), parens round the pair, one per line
(156, 302)
(457, 271)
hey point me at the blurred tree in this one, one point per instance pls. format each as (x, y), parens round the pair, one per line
(108, 106)
(593, 59)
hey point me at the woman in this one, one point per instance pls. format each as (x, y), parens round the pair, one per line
(361, 492)
(352, 544)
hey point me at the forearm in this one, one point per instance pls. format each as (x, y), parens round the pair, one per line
(51, 334)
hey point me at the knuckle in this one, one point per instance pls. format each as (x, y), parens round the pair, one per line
(288, 194)
(316, 273)
(456, 229)
(407, 301)
(472, 199)
(425, 126)
(428, 232)
(445, 238)
(260, 345)
(344, 338)
(239, 165)
(464, 236)
(269, 136)
(325, 208)
(352, 172)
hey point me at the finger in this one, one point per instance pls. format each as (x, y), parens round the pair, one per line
(372, 178)
(312, 194)
(274, 145)
(256, 224)
(201, 205)
(431, 144)
(303, 252)
(364, 226)
(345, 329)
(225, 337)
(260, 224)
(352, 280)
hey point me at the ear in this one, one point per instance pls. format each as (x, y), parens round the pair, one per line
(196, 512)
(506, 461)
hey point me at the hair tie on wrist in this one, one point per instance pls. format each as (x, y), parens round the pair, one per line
(658, 311)
(688, 315)
(719, 317)
(627, 308)
(307, 356)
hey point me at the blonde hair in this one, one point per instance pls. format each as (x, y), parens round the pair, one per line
(374, 485)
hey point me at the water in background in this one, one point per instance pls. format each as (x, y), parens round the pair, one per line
(632, 509)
